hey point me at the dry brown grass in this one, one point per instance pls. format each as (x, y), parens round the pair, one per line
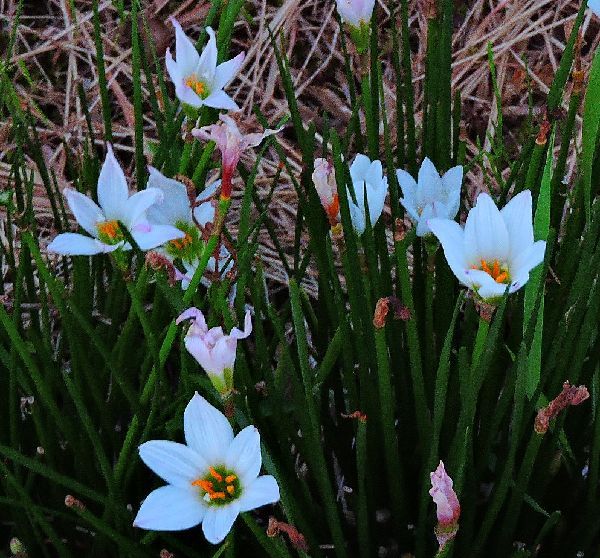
(60, 54)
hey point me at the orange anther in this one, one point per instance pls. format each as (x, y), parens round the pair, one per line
(230, 478)
(485, 267)
(496, 270)
(109, 228)
(215, 475)
(502, 277)
(230, 489)
(205, 485)
(217, 495)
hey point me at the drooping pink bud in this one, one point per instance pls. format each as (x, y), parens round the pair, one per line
(448, 506)
(214, 350)
(231, 143)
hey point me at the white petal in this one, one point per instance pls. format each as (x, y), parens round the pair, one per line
(138, 204)
(73, 244)
(187, 96)
(517, 215)
(185, 52)
(244, 454)
(169, 508)
(484, 284)
(430, 183)
(207, 431)
(376, 198)
(209, 191)
(357, 216)
(427, 214)
(262, 491)
(374, 174)
(155, 235)
(226, 71)
(218, 521)
(112, 188)
(220, 99)
(359, 167)
(175, 205)
(85, 210)
(486, 237)
(452, 184)
(529, 258)
(451, 236)
(173, 69)
(409, 190)
(207, 64)
(175, 463)
(204, 213)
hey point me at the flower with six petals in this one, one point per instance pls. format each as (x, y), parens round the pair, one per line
(115, 208)
(432, 196)
(496, 249)
(210, 480)
(367, 180)
(198, 80)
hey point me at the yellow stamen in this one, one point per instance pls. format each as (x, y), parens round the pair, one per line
(230, 489)
(109, 229)
(196, 85)
(230, 478)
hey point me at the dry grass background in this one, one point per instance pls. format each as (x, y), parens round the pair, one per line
(60, 54)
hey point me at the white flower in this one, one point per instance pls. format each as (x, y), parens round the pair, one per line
(197, 78)
(366, 175)
(355, 12)
(115, 206)
(594, 5)
(210, 480)
(433, 196)
(176, 210)
(495, 250)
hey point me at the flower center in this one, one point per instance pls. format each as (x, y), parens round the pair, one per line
(184, 248)
(197, 86)
(109, 232)
(219, 487)
(495, 270)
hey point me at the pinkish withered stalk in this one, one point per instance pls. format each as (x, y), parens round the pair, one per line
(570, 395)
(448, 506)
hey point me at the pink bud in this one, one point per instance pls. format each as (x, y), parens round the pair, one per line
(231, 143)
(448, 507)
(214, 350)
(324, 180)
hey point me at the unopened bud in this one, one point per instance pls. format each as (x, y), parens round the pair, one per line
(72, 502)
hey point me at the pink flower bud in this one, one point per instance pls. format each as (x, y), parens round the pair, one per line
(231, 143)
(324, 180)
(214, 350)
(448, 506)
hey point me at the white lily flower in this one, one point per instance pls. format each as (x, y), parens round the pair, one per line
(116, 206)
(211, 480)
(176, 210)
(495, 250)
(594, 5)
(433, 196)
(366, 175)
(355, 12)
(197, 78)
